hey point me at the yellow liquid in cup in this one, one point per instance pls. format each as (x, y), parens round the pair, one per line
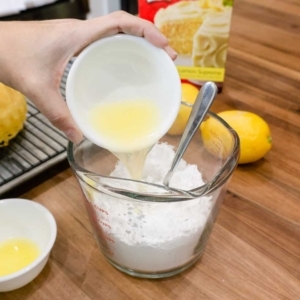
(127, 122)
(16, 254)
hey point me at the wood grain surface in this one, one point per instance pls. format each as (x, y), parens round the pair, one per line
(254, 249)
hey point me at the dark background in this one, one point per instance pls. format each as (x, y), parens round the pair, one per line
(77, 9)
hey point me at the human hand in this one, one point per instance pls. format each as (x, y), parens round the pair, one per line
(34, 54)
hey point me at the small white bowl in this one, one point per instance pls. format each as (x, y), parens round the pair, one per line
(117, 68)
(20, 218)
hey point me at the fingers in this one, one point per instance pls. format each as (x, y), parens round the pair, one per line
(139, 27)
(121, 21)
(172, 53)
(56, 111)
(130, 24)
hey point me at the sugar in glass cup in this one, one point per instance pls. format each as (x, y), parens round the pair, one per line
(119, 68)
(149, 230)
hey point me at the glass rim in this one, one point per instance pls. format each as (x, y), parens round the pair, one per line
(171, 194)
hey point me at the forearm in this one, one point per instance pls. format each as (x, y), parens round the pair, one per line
(25, 51)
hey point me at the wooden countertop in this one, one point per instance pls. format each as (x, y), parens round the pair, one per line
(254, 249)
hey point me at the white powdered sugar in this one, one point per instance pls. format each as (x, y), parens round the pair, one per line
(153, 236)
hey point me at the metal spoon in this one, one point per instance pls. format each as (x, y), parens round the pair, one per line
(201, 106)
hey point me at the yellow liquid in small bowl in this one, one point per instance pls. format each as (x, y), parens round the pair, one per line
(16, 254)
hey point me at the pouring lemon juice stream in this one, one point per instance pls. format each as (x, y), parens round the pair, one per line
(126, 122)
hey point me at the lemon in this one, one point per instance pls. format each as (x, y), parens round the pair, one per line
(253, 131)
(189, 94)
(13, 109)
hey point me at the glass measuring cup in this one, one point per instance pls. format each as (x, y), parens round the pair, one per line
(150, 230)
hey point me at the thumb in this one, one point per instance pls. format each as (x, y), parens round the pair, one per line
(55, 109)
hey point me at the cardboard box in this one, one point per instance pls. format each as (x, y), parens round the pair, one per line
(198, 30)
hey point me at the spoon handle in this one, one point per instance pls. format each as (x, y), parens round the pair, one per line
(201, 106)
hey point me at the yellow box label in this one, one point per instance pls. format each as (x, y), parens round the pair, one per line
(203, 74)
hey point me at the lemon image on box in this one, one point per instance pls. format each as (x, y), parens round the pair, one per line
(253, 131)
(13, 110)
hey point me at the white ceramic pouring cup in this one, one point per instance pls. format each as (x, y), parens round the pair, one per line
(118, 68)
